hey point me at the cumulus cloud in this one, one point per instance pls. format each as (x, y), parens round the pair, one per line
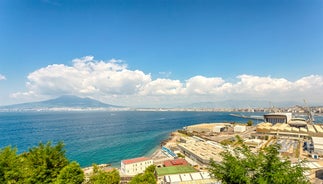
(85, 77)
(162, 87)
(2, 77)
(204, 85)
(112, 81)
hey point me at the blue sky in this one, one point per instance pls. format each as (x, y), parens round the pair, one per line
(229, 46)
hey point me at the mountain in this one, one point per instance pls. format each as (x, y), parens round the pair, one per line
(241, 104)
(67, 102)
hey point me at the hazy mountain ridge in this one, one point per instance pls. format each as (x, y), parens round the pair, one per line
(243, 104)
(67, 101)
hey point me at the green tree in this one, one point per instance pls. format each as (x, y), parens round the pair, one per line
(249, 123)
(101, 177)
(44, 163)
(10, 166)
(71, 174)
(150, 169)
(147, 177)
(241, 166)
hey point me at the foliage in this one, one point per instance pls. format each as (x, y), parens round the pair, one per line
(147, 177)
(244, 167)
(10, 165)
(249, 123)
(185, 132)
(42, 164)
(45, 162)
(180, 155)
(101, 177)
(70, 174)
(227, 141)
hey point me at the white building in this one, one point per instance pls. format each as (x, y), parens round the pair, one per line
(318, 145)
(239, 128)
(135, 165)
(219, 128)
(197, 177)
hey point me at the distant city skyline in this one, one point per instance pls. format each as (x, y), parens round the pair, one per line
(161, 53)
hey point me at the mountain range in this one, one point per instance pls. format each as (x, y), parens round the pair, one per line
(242, 104)
(69, 102)
(63, 102)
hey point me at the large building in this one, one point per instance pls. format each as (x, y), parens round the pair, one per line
(278, 117)
(202, 152)
(207, 127)
(135, 165)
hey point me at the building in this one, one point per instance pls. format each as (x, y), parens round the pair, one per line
(318, 145)
(135, 165)
(175, 162)
(278, 117)
(286, 130)
(190, 178)
(160, 172)
(207, 127)
(202, 152)
(219, 128)
(239, 128)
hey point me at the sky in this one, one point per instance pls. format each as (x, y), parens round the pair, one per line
(159, 53)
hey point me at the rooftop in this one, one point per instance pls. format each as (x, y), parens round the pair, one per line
(135, 160)
(179, 161)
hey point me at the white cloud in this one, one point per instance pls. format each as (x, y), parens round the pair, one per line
(204, 85)
(85, 78)
(2, 77)
(162, 87)
(113, 82)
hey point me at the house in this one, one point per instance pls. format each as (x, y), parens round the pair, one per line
(135, 165)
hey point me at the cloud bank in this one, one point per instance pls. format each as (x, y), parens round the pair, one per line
(113, 82)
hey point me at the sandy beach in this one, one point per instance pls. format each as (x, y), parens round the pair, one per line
(158, 155)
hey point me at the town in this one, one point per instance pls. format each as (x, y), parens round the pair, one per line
(185, 156)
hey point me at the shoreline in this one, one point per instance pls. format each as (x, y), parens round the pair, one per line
(154, 153)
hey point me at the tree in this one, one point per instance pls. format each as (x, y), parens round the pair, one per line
(147, 177)
(71, 174)
(41, 164)
(44, 163)
(265, 167)
(101, 177)
(249, 123)
(10, 166)
(114, 176)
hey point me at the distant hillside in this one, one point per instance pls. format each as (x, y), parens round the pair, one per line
(241, 104)
(68, 101)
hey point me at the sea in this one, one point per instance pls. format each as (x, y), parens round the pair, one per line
(100, 137)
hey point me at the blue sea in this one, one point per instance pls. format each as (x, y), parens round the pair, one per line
(99, 137)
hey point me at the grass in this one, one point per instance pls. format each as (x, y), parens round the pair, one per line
(174, 170)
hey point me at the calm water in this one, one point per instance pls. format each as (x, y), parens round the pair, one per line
(99, 137)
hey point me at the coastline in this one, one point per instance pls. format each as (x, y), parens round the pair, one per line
(154, 153)
(158, 153)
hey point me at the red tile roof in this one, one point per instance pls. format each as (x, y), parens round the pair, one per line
(134, 160)
(175, 162)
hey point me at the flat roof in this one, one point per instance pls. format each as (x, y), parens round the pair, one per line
(179, 161)
(134, 160)
(162, 171)
(203, 150)
(190, 178)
